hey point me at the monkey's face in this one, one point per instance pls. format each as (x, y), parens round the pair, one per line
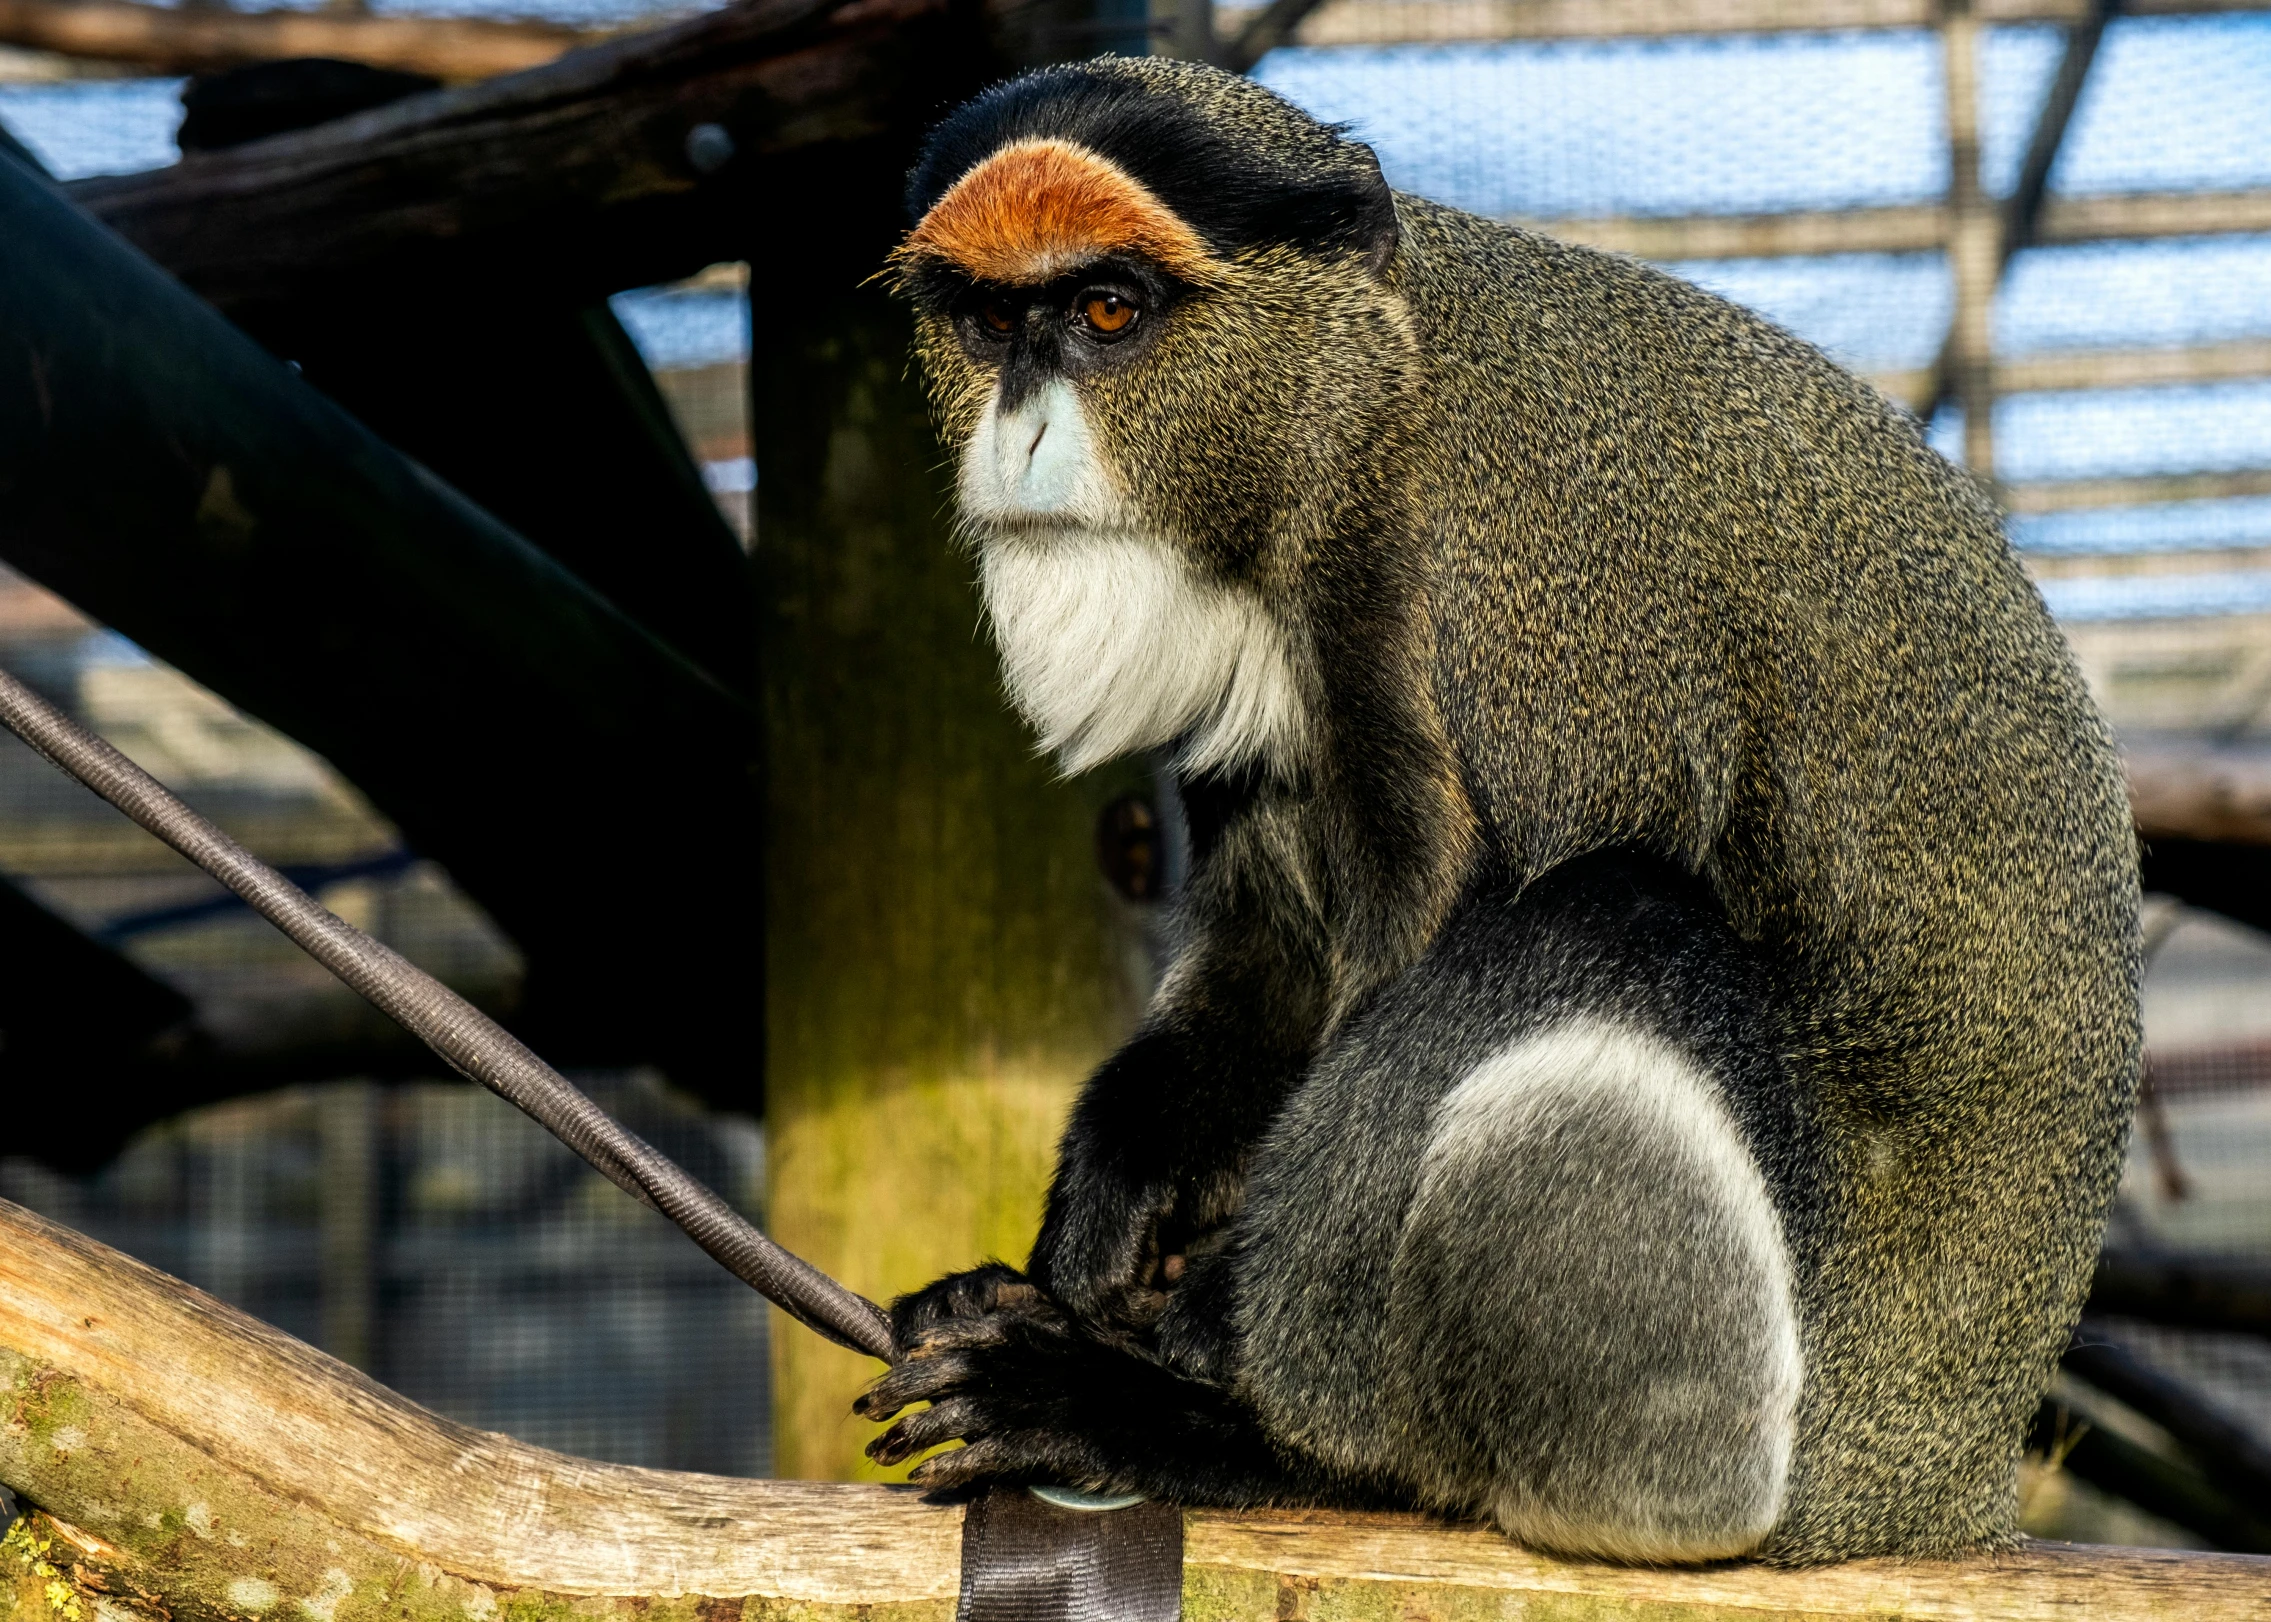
(1152, 430)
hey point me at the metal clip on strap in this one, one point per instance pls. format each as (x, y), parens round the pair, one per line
(1026, 1558)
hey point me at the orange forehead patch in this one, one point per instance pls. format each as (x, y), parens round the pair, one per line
(1037, 209)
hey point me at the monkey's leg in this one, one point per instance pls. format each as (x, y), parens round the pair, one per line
(1565, 1301)
(1591, 1223)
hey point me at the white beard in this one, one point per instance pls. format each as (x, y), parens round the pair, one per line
(1110, 641)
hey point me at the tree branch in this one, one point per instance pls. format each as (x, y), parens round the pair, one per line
(187, 1462)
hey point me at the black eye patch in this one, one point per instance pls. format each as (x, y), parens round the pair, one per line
(1103, 305)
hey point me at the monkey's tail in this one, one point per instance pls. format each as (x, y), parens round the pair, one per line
(470, 1042)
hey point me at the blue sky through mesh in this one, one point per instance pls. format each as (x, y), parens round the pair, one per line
(1730, 124)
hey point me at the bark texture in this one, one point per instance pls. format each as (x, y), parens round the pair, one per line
(179, 1460)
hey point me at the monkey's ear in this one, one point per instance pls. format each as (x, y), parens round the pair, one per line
(1381, 233)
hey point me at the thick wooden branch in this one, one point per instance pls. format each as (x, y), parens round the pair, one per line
(556, 172)
(187, 1462)
(2225, 1294)
(171, 39)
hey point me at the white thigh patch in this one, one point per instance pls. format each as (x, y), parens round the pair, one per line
(1588, 1208)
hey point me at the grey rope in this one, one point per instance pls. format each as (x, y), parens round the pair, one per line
(466, 1039)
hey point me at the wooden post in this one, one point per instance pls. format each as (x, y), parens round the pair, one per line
(944, 960)
(1974, 243)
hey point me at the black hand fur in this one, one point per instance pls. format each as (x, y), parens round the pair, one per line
(1038, 1400)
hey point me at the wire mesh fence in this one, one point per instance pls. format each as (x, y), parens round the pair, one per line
(449, 1247)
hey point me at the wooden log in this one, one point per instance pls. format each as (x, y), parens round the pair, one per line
(2171, 1489)
(72, 1004)
(1393, 22)
(582, 168)
(585, 172)
(2242, 558)
(2231, 879)
(1965, 364)
(1906, 228)
(2077, 495)
(2137, 215)
(1975, 241)
(2228, 1294)
(2233, 360)
(198, 39)
(187, 1462)
(2201, 793)
(550, 420)
(2228, 1450)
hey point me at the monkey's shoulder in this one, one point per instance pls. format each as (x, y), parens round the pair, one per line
(1605, 408)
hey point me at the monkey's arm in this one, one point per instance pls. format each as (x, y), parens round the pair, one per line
(1154, 1153)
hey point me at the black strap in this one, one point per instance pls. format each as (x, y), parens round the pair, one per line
(1024, 1560)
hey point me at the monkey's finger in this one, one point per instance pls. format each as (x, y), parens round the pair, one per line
(960, 1335)
(956, 1419)
(962, 1468)
(918, 1379)
(1014, 1291)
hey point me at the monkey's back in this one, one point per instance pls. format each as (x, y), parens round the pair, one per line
(1696, 589)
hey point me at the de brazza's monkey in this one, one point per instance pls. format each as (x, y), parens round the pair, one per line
(1653, 1042)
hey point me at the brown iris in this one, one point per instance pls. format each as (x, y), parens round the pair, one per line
(998, 316)
(1107, 312)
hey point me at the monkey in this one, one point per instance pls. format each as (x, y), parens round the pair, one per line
(1652, 1037)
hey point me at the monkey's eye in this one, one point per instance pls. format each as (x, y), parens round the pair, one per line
(998, 317)
(1108, 314)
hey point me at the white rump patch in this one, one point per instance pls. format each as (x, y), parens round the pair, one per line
(1584, 1067)
(1110, 641)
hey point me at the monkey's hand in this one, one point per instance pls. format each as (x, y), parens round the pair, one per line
(1039, 1401)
